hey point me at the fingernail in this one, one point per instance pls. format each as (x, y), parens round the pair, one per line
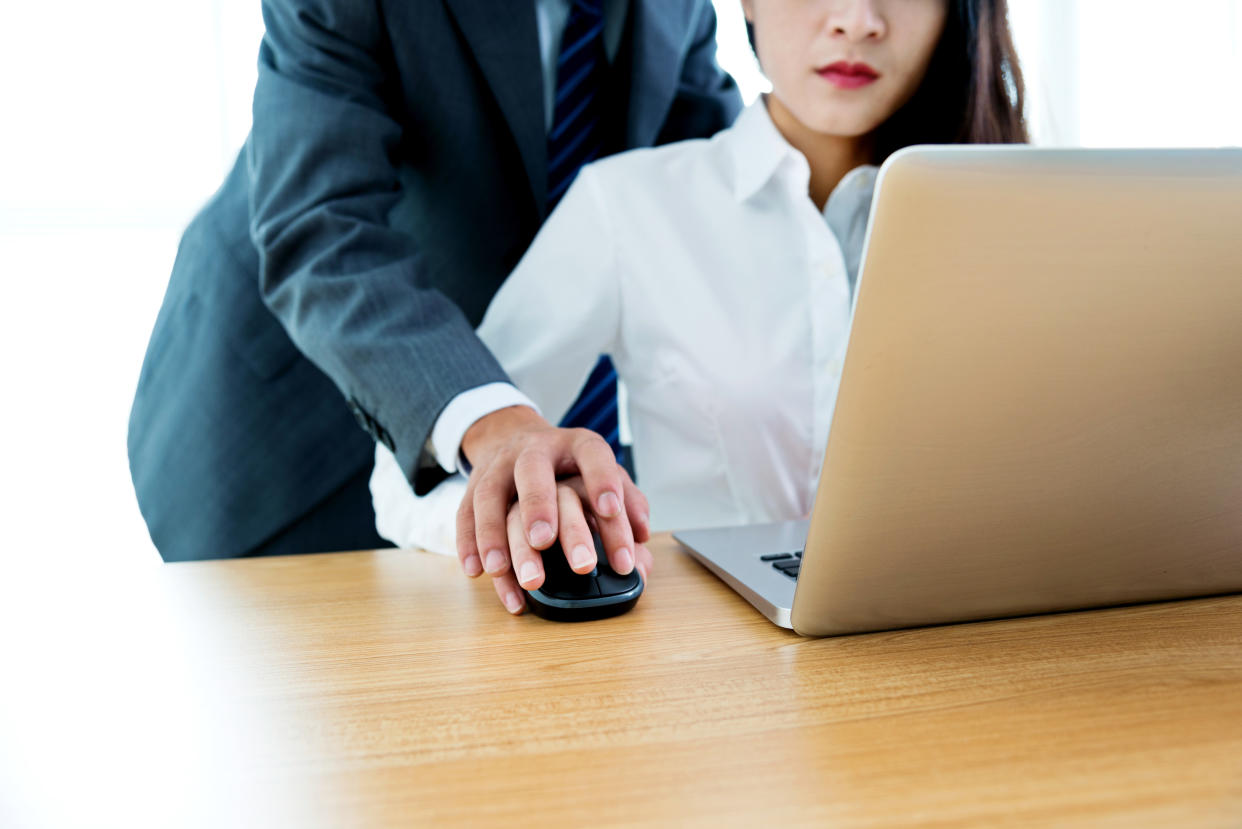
(625, 560)
(541, 534)
(495, 561)
(609, 505)
(581, 556)
(473, 566)
(528, 572)
(512, 602)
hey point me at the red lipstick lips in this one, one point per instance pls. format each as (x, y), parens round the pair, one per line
(848, 75)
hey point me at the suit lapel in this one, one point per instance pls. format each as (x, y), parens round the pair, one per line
(657, 54)
(505, 41)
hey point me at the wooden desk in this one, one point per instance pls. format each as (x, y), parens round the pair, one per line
(385, 689)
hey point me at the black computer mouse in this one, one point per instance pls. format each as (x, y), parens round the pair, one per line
(566, 596)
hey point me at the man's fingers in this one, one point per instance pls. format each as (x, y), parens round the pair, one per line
(618, 543)
(467, 550)
(575, 483)
(643, 561)
(491, 507)
(575, 534)
(612, 496)
(534, 478)
(527, 562)
(603, 480)
(637, 509)
(597, 466)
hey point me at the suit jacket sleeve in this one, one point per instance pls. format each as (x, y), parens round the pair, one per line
(707, 98)
(548, 324)
(346, 286)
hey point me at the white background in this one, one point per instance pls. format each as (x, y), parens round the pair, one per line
(119, 120)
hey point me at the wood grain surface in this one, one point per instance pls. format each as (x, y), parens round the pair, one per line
(386, 689)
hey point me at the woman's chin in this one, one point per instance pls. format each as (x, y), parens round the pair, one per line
(840, 127)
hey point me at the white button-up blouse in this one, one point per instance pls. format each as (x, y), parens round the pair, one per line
(724, 298)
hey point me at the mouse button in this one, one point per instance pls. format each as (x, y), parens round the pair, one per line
(571, 587)
(554, 563)
(612, 584)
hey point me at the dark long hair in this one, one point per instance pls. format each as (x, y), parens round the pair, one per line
(972, 92)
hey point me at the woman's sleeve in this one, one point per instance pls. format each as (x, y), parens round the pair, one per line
(560, 308)
(427, 522)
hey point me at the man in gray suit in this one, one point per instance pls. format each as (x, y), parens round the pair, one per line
(397, 168)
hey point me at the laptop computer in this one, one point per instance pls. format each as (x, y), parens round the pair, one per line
(1041, 403)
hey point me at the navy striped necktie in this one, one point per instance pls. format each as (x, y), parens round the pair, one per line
(575, 139)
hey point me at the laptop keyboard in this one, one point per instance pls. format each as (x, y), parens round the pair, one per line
(787, 563)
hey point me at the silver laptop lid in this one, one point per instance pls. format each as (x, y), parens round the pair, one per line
(1041, 405)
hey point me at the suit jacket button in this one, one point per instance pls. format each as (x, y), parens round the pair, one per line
(364, 419)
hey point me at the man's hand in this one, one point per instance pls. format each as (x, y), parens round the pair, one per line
(515, 452)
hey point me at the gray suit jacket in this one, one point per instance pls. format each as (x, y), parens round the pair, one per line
(394, 175)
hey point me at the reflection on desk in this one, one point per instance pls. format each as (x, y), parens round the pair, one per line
(384, 689)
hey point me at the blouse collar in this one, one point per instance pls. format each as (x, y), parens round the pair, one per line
(759, 152)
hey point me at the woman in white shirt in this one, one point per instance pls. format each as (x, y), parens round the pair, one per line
(719, 274)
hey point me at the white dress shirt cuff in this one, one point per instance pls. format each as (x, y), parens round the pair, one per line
(462, 412)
